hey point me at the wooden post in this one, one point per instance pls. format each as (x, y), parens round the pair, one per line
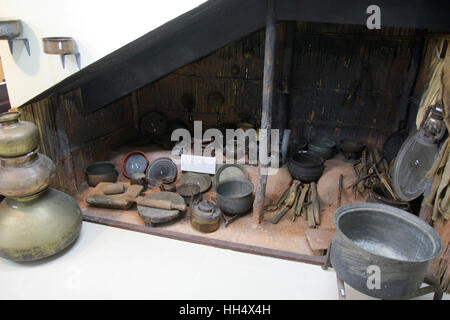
(266, 113)
(283, 98)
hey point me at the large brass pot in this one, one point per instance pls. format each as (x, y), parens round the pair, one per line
(25, 175)
(39, 226)
(16, 137)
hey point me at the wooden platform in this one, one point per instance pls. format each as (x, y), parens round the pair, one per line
(285, 240)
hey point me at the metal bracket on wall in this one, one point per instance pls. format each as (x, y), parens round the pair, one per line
(77, 57)
(25, 42)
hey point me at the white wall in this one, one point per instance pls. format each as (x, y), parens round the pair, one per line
(99, 27)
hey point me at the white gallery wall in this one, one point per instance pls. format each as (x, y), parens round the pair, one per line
(99, 27)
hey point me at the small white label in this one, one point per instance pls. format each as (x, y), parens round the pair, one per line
(198, 164)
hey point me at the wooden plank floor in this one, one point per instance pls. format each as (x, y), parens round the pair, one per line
(286, 236)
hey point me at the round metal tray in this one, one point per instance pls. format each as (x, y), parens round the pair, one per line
(203, 180)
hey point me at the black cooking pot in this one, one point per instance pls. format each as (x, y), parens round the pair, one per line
(351, 149)
(324, 147)
(235, 196)
(306, 166)
(379, 242)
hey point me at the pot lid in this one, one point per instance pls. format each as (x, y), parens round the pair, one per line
(134, 162)
(414, 159)
(229, 172)
(206, 209)
(203, 180)
(162, 169)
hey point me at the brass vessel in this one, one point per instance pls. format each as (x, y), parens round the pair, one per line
(35, 221)
(25, 175)
(39, 226)
(16, 137)
(205, 216)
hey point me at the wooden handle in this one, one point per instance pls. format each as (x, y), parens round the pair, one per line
(160, 203)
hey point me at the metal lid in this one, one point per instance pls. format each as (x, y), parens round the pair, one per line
(414, 159)
(205, 210)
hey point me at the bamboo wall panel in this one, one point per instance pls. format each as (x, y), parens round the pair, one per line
(349, 83)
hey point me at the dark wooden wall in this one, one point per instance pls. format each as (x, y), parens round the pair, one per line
(328, 61)
(351, 82)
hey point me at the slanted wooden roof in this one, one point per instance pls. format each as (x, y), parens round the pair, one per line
(211, 26)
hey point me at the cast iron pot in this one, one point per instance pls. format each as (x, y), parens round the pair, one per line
(306, 166)
(234, 196)
(351, 149)
(324, 147)
(379, 241)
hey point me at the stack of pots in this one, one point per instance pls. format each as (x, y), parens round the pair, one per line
(36, 221)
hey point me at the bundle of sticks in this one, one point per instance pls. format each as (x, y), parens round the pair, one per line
(301, 199)
(372, 170)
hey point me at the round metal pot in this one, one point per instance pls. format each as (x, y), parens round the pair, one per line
(25, 175)
(58, 45)
(234, 196)
(39, 226)
(10, 29)
(306, 166)
(324, 147)
(382, 251)
(102, 171)
(16, 137)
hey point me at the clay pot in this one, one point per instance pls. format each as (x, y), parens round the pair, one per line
(16, 137)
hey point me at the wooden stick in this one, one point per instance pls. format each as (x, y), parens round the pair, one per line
(315, 203)
(339, 201)
(302, 199)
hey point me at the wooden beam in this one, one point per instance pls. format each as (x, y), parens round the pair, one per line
(267, 100)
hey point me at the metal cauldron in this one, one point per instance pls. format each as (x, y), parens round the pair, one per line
(235, 196)
(372, 237)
